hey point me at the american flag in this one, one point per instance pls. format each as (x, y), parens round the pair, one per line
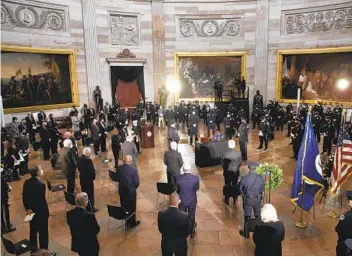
(343, 159)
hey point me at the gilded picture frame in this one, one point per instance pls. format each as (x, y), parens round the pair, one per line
(281, 59)
(71, 55)
(178, 55)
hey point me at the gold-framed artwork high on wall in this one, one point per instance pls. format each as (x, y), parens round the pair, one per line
(322, 74)
(197, 72)
(38, 78)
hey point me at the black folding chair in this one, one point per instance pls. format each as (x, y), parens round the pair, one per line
(54, 189)
(119, 213)
(113, 179)
(18, 248)
(165, 189)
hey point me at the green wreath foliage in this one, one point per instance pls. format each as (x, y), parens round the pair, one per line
(265, 169)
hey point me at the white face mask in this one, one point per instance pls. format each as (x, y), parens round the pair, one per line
(228, 115)
(193, 112)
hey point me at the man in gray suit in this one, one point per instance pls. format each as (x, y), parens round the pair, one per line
(68, 165)
(243, 138)
(129, 148)
(231, 162)
(172, 135)
(96, 136)
(173, 161)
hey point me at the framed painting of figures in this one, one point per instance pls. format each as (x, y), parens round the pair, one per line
(323, 75)
(197, 72)
(37, 78)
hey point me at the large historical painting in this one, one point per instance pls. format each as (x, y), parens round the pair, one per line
(37, 80)
(317, 73)
(197, 72)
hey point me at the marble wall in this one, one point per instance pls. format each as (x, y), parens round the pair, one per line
(155, 29)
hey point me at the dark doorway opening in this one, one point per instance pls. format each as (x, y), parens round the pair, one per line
(127, 85)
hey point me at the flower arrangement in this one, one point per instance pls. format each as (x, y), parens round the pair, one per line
(266, 170)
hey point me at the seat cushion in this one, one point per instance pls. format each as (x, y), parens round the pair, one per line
(58, 188)
(23, 246)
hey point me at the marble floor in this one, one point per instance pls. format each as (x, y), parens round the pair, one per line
(218, 224)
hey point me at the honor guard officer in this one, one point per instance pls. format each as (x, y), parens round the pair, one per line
(280, 118)
(317, 120)
(193, 125)
(169, 115)
(177, 112)
(211, 117)
(263, 133)
(290, 116)
(183, 114)
(329, 133)
(343, 228)
(140, 107)
(258, 100)
(218, 117)
(337, 117)
(289, 108)
(228, 124)
(296, 135)
(243, 138)
(303, 113)
(256, 116)
(251, 188)
(156, 112)
(328, 113)
(205, 110)
(149, 111)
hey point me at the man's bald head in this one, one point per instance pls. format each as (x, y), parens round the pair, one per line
(174, 199)
(127, 159)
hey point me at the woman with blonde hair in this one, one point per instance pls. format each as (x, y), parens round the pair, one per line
(269, 234)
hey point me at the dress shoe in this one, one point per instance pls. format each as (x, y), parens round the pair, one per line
(135, 225)
(242, 234)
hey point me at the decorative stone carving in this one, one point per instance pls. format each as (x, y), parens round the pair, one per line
(124, 29)
(126, 53)
(33, 16)
(209, 27)
(329, 18)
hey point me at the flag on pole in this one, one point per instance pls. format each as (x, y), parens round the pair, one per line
(308, 178)
(18, 72)
(342, 168)
(55, 70)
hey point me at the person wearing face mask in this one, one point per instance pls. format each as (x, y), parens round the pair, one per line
(23, 144)
(95, 136)
(34, 201)
(161, 117)
(103, 133)
(343, 228)
(31, 126)
(136, 133)
(228, 124)
(329, 133)
(45, 140)
(217, 117)
(193, 126)
(263, 134)
(211, 116)
(68, 165)
(169, 115)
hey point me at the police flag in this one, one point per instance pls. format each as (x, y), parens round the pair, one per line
(308, 179)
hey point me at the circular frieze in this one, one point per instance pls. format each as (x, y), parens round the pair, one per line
(149, 134)
(210, 28)
(232, 28)
(55, 21)
(187, 29)
(27, 16)
(3, 16)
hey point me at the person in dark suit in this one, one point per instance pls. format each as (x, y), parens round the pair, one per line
(173, 161)
(96, 136)
(188, 185)
(41, 117)
(68, 165)
(34, 201)
(45, 140)
(172, 135)
(87, 176)
(115, 143)
(129, 148)
(31, 126)
(84, 228)
(103, 132)
(231, 162)
(128, 184)
(174, 227)
(268, 235)
(23, 144)
(6, 225)
(343, 228)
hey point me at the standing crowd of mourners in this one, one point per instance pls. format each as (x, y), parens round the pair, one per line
(93, 125)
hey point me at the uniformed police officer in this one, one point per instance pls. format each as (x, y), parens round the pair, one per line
(169, 115)
(218, 117)
(328, 113)
(263, 133)
(337, 117)
(329, 132)
(193, 125)
(228, 124)
(256, 116)
(206, 110)
(243, 137)
(258, 100)
(316, 122)
(343, 228)
(296, 135)
(303, 113)
(289, 118)
(280, 118)
(251, 188)
(149, 111)
(211, 116)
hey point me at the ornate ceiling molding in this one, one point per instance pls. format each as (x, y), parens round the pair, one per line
(317, 19)
(34, 15)
(209, 27)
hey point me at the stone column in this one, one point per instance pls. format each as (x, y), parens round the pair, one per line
(91, 47)
(159, 59)
(261, 48)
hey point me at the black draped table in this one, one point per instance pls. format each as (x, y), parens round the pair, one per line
(209, 154)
